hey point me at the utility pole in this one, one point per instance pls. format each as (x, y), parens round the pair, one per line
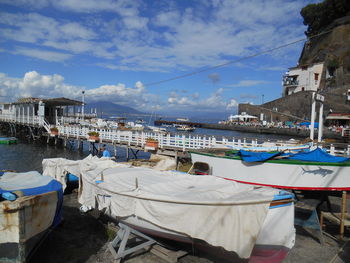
(320, 99)
(312, 125)
(83, 104)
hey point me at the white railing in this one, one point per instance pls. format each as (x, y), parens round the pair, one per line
(36, 120)
(139, 138)
(180, 141)
(29, 120)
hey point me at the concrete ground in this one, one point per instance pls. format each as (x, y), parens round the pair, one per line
(84, 238)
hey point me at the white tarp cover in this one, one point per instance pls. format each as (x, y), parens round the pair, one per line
(221, 212)
(10, 181)
(58, 168)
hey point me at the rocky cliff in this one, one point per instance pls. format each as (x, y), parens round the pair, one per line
(332, 47)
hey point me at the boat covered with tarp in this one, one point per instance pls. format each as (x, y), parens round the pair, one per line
(30, 205)
(245, 222)
(300, 170)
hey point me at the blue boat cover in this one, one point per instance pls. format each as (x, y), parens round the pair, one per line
(33, 183)
(248, 156)
(307, 123)
(317, 155)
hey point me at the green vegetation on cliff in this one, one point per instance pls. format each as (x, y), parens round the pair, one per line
(318, 16)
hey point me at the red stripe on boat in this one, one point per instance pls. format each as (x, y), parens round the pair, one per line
(294, 187)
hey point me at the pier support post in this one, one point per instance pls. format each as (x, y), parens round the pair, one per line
(127, 153)
(176, 160)
(115, 150)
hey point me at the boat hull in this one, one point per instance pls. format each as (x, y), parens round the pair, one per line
(273, 243)
(278, 173)
(24, 223)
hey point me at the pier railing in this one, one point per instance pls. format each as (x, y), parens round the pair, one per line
(139, 138)
(22, 119)
(183, 142)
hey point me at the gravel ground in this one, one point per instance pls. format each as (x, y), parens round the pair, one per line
(84, 238)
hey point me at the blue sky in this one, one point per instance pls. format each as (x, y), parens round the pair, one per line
(114, 49)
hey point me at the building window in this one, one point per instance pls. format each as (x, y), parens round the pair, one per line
(316, 76)
(302, 89)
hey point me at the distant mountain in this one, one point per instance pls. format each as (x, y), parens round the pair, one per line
(110, 108)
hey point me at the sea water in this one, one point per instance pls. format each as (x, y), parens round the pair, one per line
(28, 155)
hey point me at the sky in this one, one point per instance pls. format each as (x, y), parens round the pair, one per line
(122, 51)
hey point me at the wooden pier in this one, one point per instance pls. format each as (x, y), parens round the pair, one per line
(34, 118)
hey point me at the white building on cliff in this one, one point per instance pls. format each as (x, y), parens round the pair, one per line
(302, 78)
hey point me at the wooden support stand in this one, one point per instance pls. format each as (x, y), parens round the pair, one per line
(342, 219)
(166, 254)
(126, 233)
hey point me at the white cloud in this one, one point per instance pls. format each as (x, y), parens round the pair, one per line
(42, 54)
(33, 84)
(46, 32)
(248, 83)
(172, 37)
(232, 104)
(79, 6)
(192, 102)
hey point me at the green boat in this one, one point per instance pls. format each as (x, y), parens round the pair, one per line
(8, 140)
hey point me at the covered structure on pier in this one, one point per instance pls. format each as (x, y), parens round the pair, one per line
(34, 109)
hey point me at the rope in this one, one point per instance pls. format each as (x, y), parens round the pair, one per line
(181, 202)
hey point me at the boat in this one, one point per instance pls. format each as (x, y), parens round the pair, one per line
(183, 119)
(30, 206)
(69, 171)
(185, 128)
(140, 121)
(224, 216)
(8, 140)
(157, 129)
(285, 146)
(301, 170)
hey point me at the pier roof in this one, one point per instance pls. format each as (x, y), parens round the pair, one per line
(51, 102)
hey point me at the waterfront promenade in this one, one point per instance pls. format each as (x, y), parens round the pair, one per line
(259, 129)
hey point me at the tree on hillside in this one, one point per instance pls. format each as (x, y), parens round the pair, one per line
(318, 16)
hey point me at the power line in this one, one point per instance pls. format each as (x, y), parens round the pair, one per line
(234, 61)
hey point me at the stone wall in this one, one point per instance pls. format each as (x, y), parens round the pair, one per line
(297, 106)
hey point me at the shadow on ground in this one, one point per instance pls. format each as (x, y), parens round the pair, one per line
(78, 237)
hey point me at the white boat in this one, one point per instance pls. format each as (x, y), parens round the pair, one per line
(140, 121)
(290, 145)
(30, 206)
(185, 128)
(183, 119)
(245, 221)
(157, 129)
(312, 170)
